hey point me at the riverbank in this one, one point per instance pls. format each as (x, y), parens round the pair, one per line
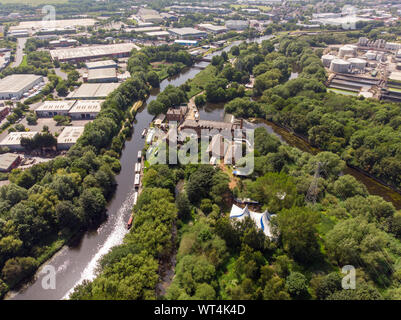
(374, 185)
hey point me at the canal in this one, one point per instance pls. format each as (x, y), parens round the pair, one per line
(78, 261)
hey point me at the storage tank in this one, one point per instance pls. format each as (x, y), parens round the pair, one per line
(327, 59)
(357, 63)
(363, 41)
(370, 55)
(346, 51)
(340, 66)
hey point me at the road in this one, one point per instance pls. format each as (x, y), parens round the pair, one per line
(19, 54)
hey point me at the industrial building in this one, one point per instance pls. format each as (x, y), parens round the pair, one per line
(327, 59)
(54, 108)
(340, 66)
(80, 54)
(237, 24)
(184, 33)
(102, 75)
(357, 63)
(9, 161)
(158, 34)
(347, 50)
(14, 86)
(13, 140)
(147, 29)
(186, 42)
(89, 91)
(85, 109)
(149, 15)
(37, 25)
(208, 27)
(198, 9)
(101, 64)
(4, 111)
(68, 137)
(63, 43)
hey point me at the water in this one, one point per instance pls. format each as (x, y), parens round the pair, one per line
(78, 262)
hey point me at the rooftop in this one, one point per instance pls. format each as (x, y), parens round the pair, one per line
(54, 24)
(102, 73)
(212, 27)
(92, 51)
(14, 138)
(56, 105)
(17, 82)
(70, 134)
(6, 160)
(101, 64)
(87, 106)
(185, 31)
(93, 90)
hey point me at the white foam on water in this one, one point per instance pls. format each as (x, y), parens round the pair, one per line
(115, 238)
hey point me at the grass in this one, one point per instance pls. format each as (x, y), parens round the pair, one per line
(199, 82)
(344, 92)
(24, 62)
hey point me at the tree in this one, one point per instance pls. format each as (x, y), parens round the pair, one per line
(264, 142)
(183, 205)
(62, 89)
(153, 78)
(297, 285)
(205, 292)
(326, 285)
(235, 51)
(206, 206)
(357, 242)
(200, 183)
(200, 100)
(93, 203)
(298, 233)
(347, 186)
(17, 269)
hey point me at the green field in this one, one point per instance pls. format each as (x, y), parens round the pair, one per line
(345, 92)
(33, 2)
(199, 82)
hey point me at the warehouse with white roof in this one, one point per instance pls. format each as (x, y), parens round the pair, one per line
(184, 33)
(13, 140)
(85, 109)
(68, 137)
(54, 108)
(101, 75)
(90, 91)
(118, 50)
(15, 85)
(101, 64)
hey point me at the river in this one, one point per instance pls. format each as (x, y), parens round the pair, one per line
(78, 261)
